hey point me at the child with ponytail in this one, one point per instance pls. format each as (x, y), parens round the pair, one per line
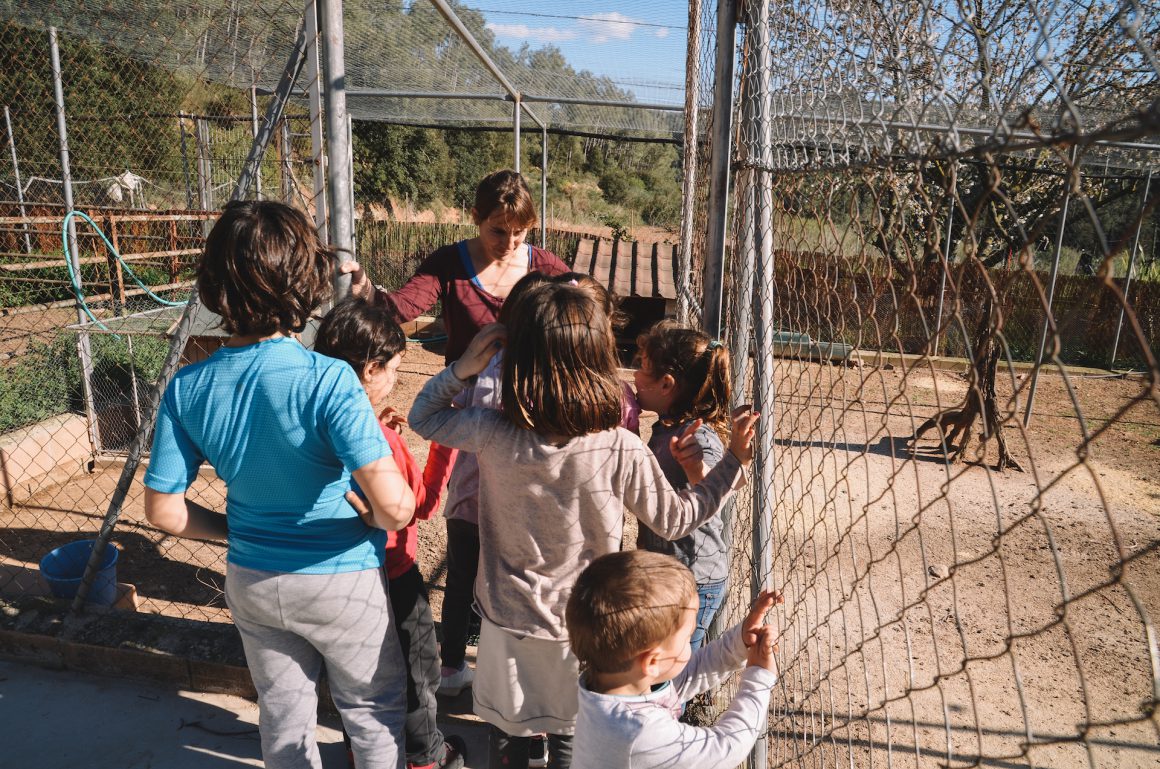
(684, 378)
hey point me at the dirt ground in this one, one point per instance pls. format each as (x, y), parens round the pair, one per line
(934, 615)
(957, 616)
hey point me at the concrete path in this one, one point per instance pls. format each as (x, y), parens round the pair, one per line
(52, 719)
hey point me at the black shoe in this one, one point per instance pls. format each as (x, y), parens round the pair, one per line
(538, 751)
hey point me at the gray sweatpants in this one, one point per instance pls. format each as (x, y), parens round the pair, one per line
(293, 624)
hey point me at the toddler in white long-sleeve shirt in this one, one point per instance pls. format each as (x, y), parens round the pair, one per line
(630, 617)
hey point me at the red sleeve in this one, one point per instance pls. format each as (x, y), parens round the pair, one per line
(403, 458)
(440, 462)
(423, 290)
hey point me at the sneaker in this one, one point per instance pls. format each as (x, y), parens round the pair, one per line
(454, 755)
(452, 684)
(538, 751)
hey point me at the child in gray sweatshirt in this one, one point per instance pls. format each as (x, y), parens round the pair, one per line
(555, 474)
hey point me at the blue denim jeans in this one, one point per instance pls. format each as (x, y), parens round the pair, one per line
(710, 597)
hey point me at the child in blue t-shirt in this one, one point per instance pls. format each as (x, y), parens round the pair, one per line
(286, 429)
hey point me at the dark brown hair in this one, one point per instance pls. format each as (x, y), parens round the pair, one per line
(506, 191)
(624, 604)
(360, 333)
(559, 368)
(700, 367)
(264, 269)
(605, 298)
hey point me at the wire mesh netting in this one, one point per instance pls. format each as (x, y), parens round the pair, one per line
(90, 302)
(939, 208)
(436, 79)
(942, 297)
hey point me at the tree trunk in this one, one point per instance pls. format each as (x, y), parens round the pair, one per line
(981, 401)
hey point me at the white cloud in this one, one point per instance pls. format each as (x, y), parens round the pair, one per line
(662, 32)
(532, 34)
(603, 27)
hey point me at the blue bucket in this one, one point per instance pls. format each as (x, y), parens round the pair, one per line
(64, 567)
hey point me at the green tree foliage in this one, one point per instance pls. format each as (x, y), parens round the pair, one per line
(105, 93)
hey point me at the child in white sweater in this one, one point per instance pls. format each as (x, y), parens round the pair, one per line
(630, 617)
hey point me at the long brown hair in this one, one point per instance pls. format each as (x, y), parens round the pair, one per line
(264, 269)
(559, 369)
(700, 367)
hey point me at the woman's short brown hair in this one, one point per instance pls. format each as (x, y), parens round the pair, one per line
(624, 604)
(608, 301)
(559, 368)
(264, 269)
(506, 191)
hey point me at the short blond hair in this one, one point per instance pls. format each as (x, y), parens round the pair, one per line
(624, 604)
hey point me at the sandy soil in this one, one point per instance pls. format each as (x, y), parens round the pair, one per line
(955, 615)
(934, 615)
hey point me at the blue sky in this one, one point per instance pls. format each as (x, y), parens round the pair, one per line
(638, 43)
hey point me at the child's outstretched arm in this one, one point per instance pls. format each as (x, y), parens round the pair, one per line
(675, 745)
(671, 514)
(440, 462)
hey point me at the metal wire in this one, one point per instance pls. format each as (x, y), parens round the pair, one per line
(962, 589)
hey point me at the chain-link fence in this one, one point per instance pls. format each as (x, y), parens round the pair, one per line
(937, 214)
(146, 155)
(938, 209)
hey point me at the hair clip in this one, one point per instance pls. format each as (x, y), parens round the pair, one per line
(573, 282)
(715, 343)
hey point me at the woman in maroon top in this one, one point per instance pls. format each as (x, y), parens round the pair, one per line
(472, 278)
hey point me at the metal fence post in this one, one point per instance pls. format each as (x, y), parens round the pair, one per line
(204, 167)
(1131, 267)
(340, 174)
(184, 161)
(254, 136)
(516, 131)
(946, 266)
(1047, 320)
(684, 253)
(713, 275)
(317, 144)
(16, 176)
(543, 186)
(758, 90)
(84, 350)
(286, 169)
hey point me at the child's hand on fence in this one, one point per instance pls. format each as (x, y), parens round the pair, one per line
(688, 452)
(741, 436)
(393, 419)
(761, 654)
(760, 638)
(486, 344)
(360, 284)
